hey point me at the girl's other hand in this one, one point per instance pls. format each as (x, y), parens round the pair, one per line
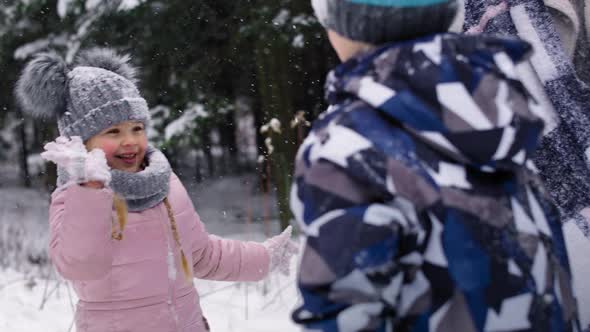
(281, 248)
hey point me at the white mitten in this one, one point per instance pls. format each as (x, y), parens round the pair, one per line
(82, 166)
(281, 248)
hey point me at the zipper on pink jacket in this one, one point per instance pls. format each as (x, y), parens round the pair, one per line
(171, 268)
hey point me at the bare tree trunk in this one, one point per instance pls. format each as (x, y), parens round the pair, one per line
(227, 135)
(198, 173)
(50, 176)
(206, 144)
(24, 167)
(48, 133)
(277, 102)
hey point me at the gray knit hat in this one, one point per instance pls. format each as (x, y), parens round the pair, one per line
(381, 21)
(98, 92)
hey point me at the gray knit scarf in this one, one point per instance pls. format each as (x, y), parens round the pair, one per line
(141, 190)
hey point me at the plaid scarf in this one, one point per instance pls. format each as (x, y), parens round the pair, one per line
(562, 156)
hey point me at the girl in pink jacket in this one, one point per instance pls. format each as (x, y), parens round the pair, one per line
(123, 228)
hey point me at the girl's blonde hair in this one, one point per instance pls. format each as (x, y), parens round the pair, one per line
(121, 210)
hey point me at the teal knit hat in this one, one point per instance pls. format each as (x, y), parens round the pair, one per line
(381, 21)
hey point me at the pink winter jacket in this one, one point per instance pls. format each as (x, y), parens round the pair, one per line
(125, 286)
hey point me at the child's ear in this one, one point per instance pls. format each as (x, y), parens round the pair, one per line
(344, 47)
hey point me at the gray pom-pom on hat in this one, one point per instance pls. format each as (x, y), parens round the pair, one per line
(98, 92)
(107, 59)
(42, 87)
(380, 21)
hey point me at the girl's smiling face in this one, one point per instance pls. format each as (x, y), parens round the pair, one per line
(124, 145)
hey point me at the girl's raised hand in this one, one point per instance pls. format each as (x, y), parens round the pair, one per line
(82, 166)
(281, 248)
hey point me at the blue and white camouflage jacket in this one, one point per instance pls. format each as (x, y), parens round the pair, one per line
(420, 206)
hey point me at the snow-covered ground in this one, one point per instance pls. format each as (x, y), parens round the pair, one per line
(35, 299)
(41, 305)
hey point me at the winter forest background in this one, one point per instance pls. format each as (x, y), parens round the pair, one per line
(231, 86)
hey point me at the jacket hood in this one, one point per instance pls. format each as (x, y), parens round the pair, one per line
(459, 94)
